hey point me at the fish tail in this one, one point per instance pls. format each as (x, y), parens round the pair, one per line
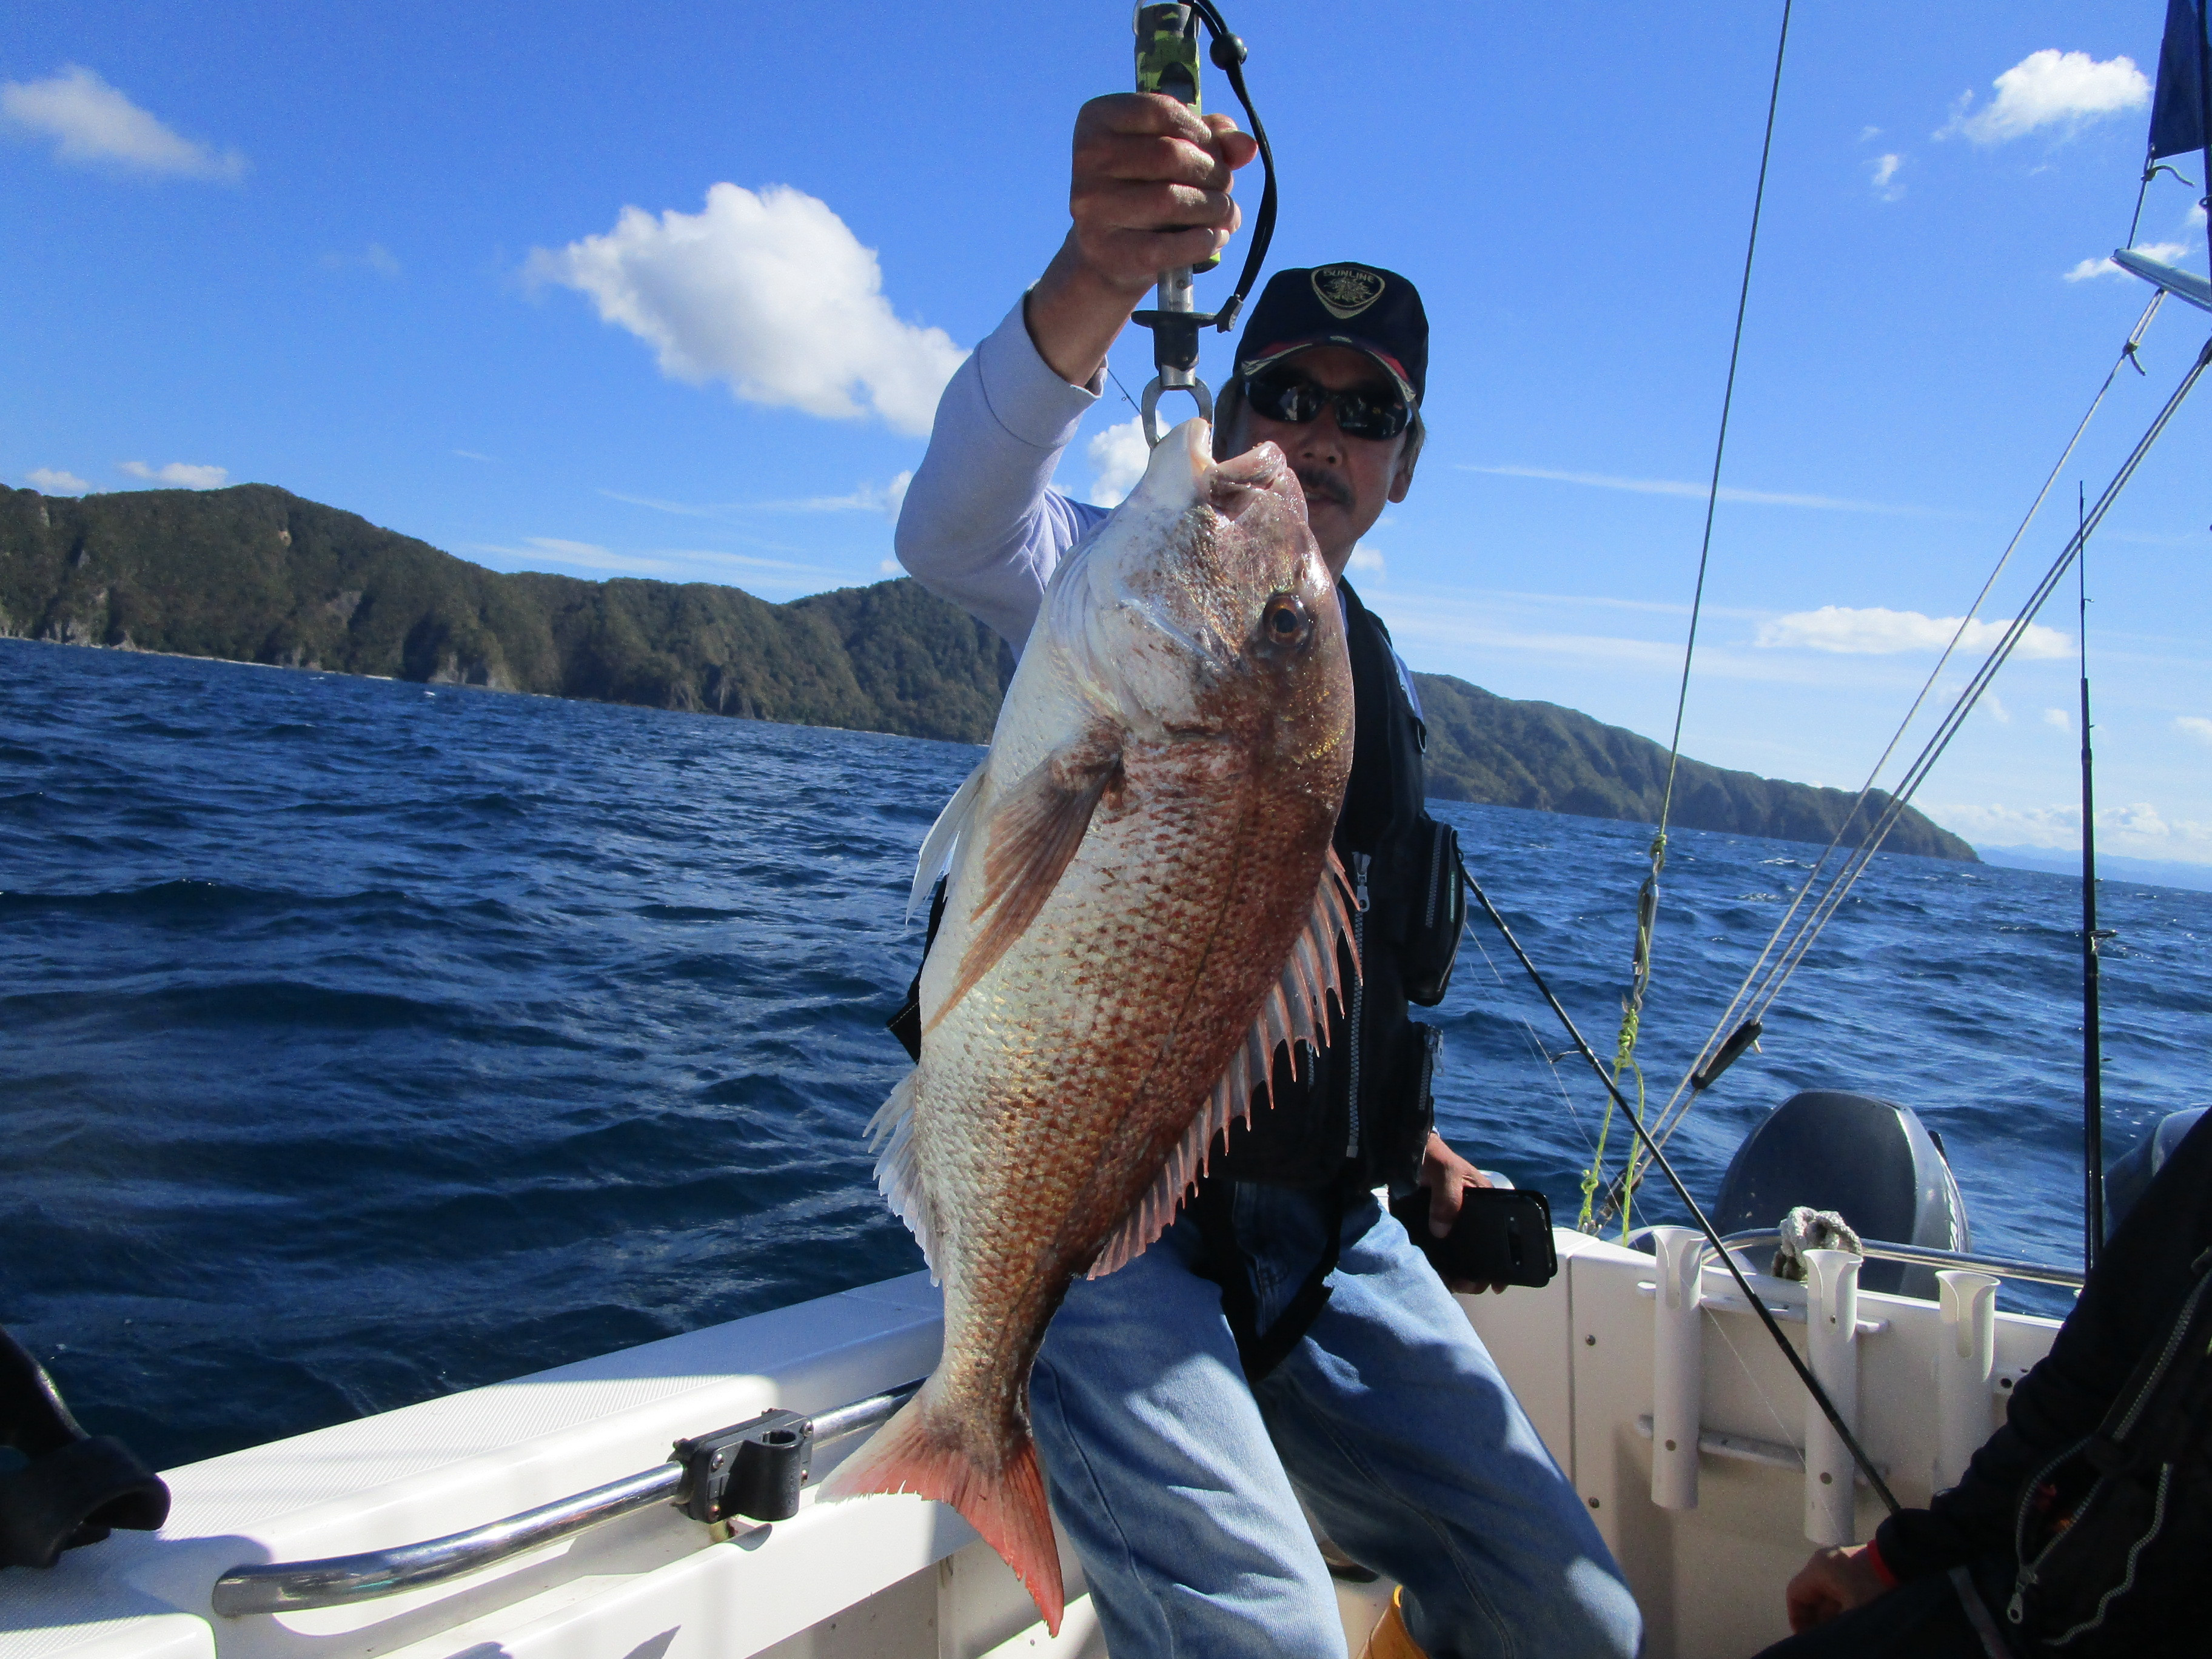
(917, 1452)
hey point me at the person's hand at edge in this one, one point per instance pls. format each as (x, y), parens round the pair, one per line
(1148, 191)
(1833, 1582)
(1447, 1177)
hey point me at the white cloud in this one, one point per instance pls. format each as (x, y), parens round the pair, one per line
(2059, 718)
(1365, 559)
(1885, 170)
(184, 475)
(1874, 630)
(471, 455)
(1118, 457)
(862, 498)
(1869, 133)
(53, 481)
(2194, 726)
(2051, 88)
(2167, 252)
(92, 124)
(886, 498)
(672, 563)
(2137, 830)
(890, 567)
(1994, 706)
(377, 258)
(1683, 488)
(770, 293)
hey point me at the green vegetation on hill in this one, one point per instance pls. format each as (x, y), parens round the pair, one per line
(1538, 755)
(257, 574)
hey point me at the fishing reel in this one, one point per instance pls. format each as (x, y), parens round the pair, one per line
(1167, 62)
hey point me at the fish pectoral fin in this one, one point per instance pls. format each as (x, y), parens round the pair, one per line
(1034, 833)
(1295, 1012)
(945, 835)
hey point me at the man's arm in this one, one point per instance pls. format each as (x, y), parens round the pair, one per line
(980, 525)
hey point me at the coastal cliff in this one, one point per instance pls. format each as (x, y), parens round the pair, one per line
(257, 574)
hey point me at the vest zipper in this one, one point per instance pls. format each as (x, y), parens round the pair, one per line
(1359, 863)
(1435, 877)
(2017, 1610)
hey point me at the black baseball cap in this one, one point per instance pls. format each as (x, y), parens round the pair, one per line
(1363, 306)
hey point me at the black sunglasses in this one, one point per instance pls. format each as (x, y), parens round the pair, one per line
(1294, 400)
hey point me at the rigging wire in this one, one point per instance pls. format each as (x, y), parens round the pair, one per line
(1758, 994)
(1647, 898)
(1678, 1107)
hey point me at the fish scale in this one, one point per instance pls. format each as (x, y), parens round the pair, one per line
(1142, 913)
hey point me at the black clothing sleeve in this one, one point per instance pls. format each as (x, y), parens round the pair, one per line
(2141, 1280)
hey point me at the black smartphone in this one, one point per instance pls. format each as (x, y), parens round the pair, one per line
(1503, 1236)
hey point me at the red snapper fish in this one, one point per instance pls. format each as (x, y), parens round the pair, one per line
(1142, 910)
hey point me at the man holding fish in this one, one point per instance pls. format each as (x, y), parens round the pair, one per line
(1166, 1055)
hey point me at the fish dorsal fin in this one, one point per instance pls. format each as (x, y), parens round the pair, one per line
(1294, 1011)
(943, 837)
(1035, 831)
(898, 1167)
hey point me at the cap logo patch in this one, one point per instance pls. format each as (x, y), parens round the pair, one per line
(1346, 290)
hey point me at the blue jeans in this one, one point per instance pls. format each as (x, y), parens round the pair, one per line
(1179, 1482)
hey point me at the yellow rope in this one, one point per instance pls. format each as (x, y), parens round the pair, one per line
(1624, 1050)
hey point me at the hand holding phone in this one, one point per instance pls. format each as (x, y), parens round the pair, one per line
(1501, 1235)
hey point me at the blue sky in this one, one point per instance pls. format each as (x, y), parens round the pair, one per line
(459, 270)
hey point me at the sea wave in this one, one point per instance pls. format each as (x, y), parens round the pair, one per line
(366, 1044)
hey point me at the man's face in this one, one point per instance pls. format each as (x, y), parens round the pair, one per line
(1347, 481)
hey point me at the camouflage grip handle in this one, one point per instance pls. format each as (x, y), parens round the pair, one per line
(1167, 62)
(1167, 51)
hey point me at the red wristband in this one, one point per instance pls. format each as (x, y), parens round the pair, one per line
(1873, 1559)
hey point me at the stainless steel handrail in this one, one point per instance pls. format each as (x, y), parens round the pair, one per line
(1920, 1255)
(339, 1580)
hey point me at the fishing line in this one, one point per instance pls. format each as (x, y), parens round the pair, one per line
(1647, 898)
(1536, 1048)
(1678, 1106)
(1697, 1213)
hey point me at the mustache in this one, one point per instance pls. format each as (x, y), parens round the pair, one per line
(1321, 484)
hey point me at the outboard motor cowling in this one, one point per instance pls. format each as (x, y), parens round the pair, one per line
(1869, 1160)
(2125, 1177)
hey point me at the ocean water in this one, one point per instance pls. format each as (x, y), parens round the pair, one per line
(361, 1042)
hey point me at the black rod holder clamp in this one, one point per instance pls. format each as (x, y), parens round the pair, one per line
(753, 1469)
(67, 1488)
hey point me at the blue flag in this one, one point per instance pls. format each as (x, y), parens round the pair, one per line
(2178, 111)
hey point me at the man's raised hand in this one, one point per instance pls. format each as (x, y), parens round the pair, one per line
(1148, 191)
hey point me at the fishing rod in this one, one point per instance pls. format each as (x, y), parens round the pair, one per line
(1167, 63)
(2093, 1081)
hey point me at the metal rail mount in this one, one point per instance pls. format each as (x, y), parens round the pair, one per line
(752, 1470)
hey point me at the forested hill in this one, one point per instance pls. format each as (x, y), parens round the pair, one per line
(257, 574)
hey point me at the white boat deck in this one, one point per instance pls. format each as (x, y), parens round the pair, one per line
(902, 1579)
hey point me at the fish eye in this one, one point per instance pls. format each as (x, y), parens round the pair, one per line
(1282, 620)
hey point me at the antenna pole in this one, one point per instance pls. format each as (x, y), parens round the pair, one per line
(2092, 1090)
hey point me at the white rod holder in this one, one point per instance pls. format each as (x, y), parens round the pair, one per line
(1678, 1366)
(1832, 1325)
(1963, 1361)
